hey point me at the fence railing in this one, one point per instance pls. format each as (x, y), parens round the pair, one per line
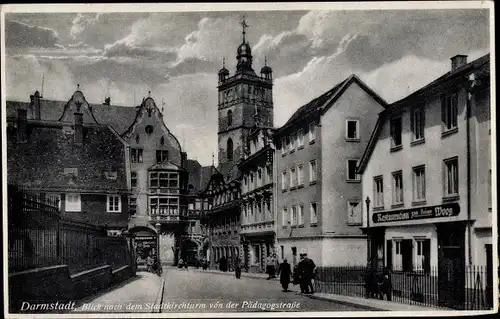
(39, 237)
(467, 289)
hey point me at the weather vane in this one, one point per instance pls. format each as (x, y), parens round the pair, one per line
(244, 25)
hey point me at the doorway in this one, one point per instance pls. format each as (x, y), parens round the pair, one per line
(489, 275)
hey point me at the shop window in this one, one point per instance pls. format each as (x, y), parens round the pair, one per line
(423, 255)
(403, 255)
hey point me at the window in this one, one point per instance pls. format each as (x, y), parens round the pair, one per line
(161, 156)
(403, 255)
(449, 112)
(352, 130)
(283, 181)
(164, 205)
(73, 203)
(301, 214)
(419, 183)
(164, 180)
(284, 216)
(293, 177)
(229, 150)
(423, 255)
(353, 213)
(351, 170)
(418, 123)
(451, 177)
(314, 213)
(149, 129)
(229, 118)
(396, 131)
(294, 215)
(114, 204)
(378, 191)
(293, 140)
(136, 155)
(132, 205)
(312, 132)
(312, 171)
(283, 146)
(300, 175)
(133, 179)
(300, 138)
(397, 187)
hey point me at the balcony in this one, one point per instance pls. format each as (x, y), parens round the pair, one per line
(165, 218)
(164, 191)
(258, 227)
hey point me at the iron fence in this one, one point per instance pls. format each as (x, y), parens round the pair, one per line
(470, 291)
(38, 237)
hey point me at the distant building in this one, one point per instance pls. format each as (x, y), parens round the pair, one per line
(245, 105)
(70, 157)
(318, 191)
(427, 174)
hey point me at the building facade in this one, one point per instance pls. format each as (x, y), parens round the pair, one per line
(71, 158)
(258, 236)
(427, 177)
(319, 193)
(156, 173)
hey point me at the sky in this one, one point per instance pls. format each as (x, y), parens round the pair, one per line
(176, 56)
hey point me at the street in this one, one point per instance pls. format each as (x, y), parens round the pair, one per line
(195, 291)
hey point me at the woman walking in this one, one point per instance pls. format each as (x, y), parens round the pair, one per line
(237, 268)
(285, 271)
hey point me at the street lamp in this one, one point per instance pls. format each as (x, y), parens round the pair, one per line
(158, 228)
(368, 237)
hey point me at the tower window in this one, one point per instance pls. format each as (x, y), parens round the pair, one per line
(229, 118)
(229, 150)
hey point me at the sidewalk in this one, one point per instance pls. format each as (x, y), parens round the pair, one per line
(362, 303)
(137, 294)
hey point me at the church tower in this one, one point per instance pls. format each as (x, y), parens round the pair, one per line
(245, 102)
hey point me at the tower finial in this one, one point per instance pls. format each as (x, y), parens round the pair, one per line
(223, 62)
(78, 87)
(265, 60)
(213, 159)
(244, 26)
(43, 78)
(149, 93)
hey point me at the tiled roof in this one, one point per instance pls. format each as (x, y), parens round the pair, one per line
(50, 155)
(313, 105)
(194, 169)
(119, 117)
(206, 174)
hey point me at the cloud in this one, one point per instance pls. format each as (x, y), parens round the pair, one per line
(18, 34)
(193, 65)
(82, 22)
(123, 49)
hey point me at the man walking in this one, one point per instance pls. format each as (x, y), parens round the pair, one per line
(284, 272)
(310, 267)
(301, 274)
(269, 266)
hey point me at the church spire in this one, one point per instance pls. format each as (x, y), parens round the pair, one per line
(244, 56)
(244, 26)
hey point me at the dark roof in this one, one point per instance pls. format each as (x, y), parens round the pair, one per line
(206, 174)
(119, 117)
(224, 168)
(326, 100)
(165, 166)
(49, 154)
(481, 65)
(194, 169)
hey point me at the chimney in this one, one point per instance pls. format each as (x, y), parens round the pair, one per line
(458, 61)
(78, 127)
(36, 105)
(22, 125)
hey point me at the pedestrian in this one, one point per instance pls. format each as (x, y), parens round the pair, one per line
(149, 263)
(181, 263)
(284, 272)
(309, 274)
(301, 274)
(276, 264)
(269, 266)
(237, 268)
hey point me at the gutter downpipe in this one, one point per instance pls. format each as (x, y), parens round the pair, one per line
(471, 83)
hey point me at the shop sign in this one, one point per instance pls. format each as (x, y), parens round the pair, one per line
(447, 210)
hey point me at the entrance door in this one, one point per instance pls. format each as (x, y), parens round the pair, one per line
(489, 275)
(451, 266)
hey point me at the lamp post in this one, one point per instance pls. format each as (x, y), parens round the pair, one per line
(368, 233)
(158, 228)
